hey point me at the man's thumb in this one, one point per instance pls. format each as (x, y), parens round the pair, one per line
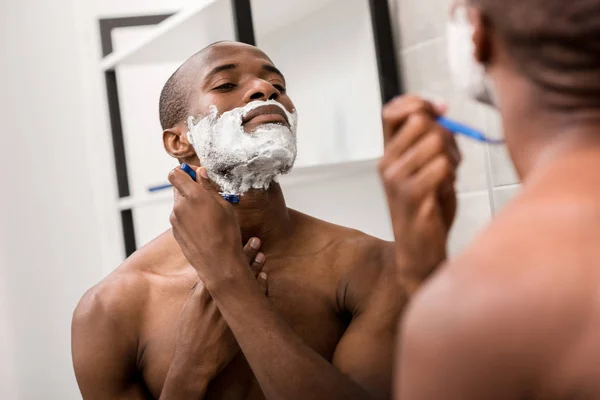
(203, 179)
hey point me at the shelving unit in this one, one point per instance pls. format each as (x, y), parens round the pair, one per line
(265, 23)
(203, 21)
(298, 177)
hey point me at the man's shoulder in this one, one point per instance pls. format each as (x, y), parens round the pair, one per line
(122, 295)
(363, 263)
(350, 246)
(534, 235)
(523, 275)
(118, 299)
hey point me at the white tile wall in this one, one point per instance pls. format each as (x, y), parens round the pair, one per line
(420, 21)
(503, 195)
(474, 213)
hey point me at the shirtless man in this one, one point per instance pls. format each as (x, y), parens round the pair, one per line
(185, 317)
(517, 314)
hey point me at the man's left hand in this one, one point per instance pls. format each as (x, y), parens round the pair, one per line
(418, 171)
(206, 228)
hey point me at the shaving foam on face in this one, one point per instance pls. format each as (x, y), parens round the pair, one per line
(238, 161)
(467, 73)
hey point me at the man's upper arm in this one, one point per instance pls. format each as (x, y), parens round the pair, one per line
(463, 342)
(365, 352)
(104, 348)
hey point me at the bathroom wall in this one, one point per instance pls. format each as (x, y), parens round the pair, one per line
(51, 230)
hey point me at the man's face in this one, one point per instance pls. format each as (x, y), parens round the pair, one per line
(233, 75)
(242, 124)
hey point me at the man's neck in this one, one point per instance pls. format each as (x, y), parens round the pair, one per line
(538, 135)
(264, 214)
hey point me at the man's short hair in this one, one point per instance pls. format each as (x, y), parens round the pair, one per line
(175, 96)
(555, 42)
(174, 100)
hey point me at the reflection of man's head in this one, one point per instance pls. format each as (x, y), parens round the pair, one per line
(241, 122)
(552, 44)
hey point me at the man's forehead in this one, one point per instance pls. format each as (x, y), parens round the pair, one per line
(231, 49)
(228, 53)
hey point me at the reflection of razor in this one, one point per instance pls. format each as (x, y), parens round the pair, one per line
(461, 129)
(232, 198)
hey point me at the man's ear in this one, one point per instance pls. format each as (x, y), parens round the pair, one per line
(482, 35)
(176, 142)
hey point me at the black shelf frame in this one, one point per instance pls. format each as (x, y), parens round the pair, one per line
(389, 80)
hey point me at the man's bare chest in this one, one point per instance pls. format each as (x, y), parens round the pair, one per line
(307, 301)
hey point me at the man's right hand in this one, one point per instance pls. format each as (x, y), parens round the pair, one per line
(418, 171)
(204, 343)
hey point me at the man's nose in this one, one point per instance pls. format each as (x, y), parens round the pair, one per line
(261, 90)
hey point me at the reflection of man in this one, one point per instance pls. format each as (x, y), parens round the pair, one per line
(159, 326)
(516, 315)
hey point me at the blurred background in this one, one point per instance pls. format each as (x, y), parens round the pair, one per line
(81, 141)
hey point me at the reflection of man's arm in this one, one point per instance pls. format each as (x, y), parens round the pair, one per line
(287, 368)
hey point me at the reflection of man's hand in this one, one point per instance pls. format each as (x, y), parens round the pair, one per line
(207, 230)
(418, 171)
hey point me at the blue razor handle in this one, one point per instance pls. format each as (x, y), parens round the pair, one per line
(232, 198)
(462, 129)
(188, 170)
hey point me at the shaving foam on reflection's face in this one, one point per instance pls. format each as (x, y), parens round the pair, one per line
(467, 73)
(238, 161)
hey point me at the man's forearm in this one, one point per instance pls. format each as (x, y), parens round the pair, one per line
(284, 365)
(188, 376)
(182, 383)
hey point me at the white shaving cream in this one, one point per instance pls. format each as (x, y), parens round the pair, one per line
(467, 73)
(238, 161)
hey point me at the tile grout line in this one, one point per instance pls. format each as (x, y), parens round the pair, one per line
(489, 175)
(473, 193)
(508, 186)
(420, 45)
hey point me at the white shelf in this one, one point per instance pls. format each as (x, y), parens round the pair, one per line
(205, 22)
(179, 36)
(299, 176)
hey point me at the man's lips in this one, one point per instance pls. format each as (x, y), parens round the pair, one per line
(267, 114)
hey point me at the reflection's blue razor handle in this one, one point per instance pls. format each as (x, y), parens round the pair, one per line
(461, 129)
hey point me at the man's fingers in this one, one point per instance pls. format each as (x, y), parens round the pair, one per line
(181, 181)
(203, 179)
(431, 177)
(397, 111)
(251, 249)
(427, 180)
(262, 281)
(258, 263)
(420, 154)
(417, 125)
(210, 186)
